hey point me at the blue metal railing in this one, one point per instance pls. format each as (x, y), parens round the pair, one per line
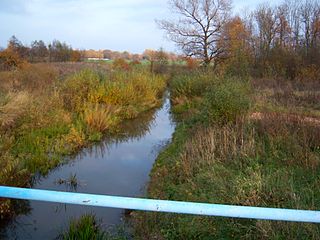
(162, 205)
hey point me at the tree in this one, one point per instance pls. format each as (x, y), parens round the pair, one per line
(238, 54)
(267, 25)
(199, 27)
(38, 51)
(14, 45)
(160, 61)
(59, 52)
(10, 60)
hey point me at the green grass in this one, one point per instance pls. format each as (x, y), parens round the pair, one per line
(38, 128)
(87, 227)
(220, 155)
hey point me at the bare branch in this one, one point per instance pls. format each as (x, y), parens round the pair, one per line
(198, 27)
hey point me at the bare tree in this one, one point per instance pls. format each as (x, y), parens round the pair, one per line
(310, 12)
(199, 26)
(267, 25)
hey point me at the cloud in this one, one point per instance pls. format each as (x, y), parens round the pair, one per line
(99, 24)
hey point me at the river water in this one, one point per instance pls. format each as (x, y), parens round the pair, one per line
(119, 166)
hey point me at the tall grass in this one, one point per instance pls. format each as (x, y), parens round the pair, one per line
(43, 118)
(99, 118)
(87, 227)
(84, 228)
(271, 161)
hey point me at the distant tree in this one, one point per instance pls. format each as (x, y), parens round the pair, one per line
(136, 57)
(160, 61)
(15, 45)
(107, 54)
(198, 29)
(75, 56)
(59, 52)
(126, 55)
(121, 64)
(10, 60)
(149, 55)
(310, 18)
(38, 51)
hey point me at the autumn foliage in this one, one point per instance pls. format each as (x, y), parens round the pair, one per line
(10, 60)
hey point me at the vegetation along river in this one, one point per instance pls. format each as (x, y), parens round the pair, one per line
(119, 166)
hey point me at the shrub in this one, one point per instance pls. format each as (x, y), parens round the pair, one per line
(191, 84)
(76, 89)
(309, 73)
(192, 63)
(121, 64)
(10, 60)
(226, 101)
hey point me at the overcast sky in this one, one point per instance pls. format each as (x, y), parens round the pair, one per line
(91, 24)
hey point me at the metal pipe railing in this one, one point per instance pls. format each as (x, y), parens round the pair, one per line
(162, 205)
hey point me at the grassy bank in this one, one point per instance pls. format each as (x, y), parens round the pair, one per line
(237, 142)
(45, 115)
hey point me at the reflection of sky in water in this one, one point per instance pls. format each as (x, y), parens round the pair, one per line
(118, 166)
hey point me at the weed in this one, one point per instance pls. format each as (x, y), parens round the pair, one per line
(84, 229)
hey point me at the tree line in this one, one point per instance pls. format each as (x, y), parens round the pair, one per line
(281, 40)
(56, 51)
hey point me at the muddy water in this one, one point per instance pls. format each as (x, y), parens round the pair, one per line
(118, 166)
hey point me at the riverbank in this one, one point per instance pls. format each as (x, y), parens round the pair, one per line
(223, 153)
(44, 117)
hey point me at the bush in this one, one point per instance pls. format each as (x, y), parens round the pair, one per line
(191, 84)
(226, 101)
(121, 64)
(192, 63)
(309, 73)
(76, 89)
(10, 60)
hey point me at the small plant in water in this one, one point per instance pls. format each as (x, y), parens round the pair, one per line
(71, 182)
(86, 227)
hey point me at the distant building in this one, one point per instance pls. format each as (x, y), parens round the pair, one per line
(97, 59)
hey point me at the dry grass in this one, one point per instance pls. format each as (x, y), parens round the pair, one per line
(14, 108)
(270, 158)
(100, 117)
(216, 144)
(35, 78)
(45, 116)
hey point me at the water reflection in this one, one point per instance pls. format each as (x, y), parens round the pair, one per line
(120, 165)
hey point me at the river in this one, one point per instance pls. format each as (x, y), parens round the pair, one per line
(119, 166)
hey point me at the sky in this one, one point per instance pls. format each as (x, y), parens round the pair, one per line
(121, 25)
